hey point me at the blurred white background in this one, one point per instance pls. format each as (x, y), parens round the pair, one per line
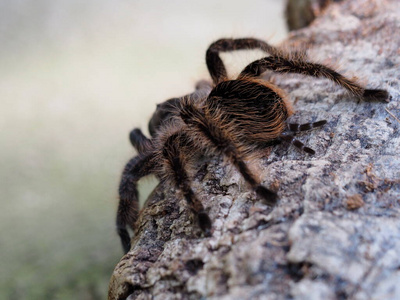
(75, 78)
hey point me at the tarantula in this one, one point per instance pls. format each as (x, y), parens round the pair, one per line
(228, 117)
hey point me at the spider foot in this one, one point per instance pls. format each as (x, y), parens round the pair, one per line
(205, 223)
(269, 196)
(308, 150)
(125, 239)
(377, 95)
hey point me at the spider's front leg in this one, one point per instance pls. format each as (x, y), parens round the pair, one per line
(128, 207)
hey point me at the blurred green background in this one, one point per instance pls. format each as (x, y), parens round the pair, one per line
(75, 78)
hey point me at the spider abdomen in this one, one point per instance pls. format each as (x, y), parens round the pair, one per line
(252, 110)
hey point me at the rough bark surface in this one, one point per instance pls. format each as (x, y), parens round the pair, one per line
(335, 232)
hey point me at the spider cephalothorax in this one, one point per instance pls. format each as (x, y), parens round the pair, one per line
(228, 117)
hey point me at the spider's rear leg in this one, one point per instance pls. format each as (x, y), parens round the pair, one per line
(289, 138)
(295, 127)
(128, 207)
(282, 64)
(176, 152)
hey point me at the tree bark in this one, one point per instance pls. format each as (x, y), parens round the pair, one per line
(335, 232)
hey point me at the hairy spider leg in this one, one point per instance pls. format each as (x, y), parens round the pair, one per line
(295, 127)
(128, 207)
(176, 153)
(280, 62)
(209, 136)
(139, 141)
(284, 65)
(215, 65)
(292, 140)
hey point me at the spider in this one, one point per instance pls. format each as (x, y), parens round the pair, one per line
(230, 117)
